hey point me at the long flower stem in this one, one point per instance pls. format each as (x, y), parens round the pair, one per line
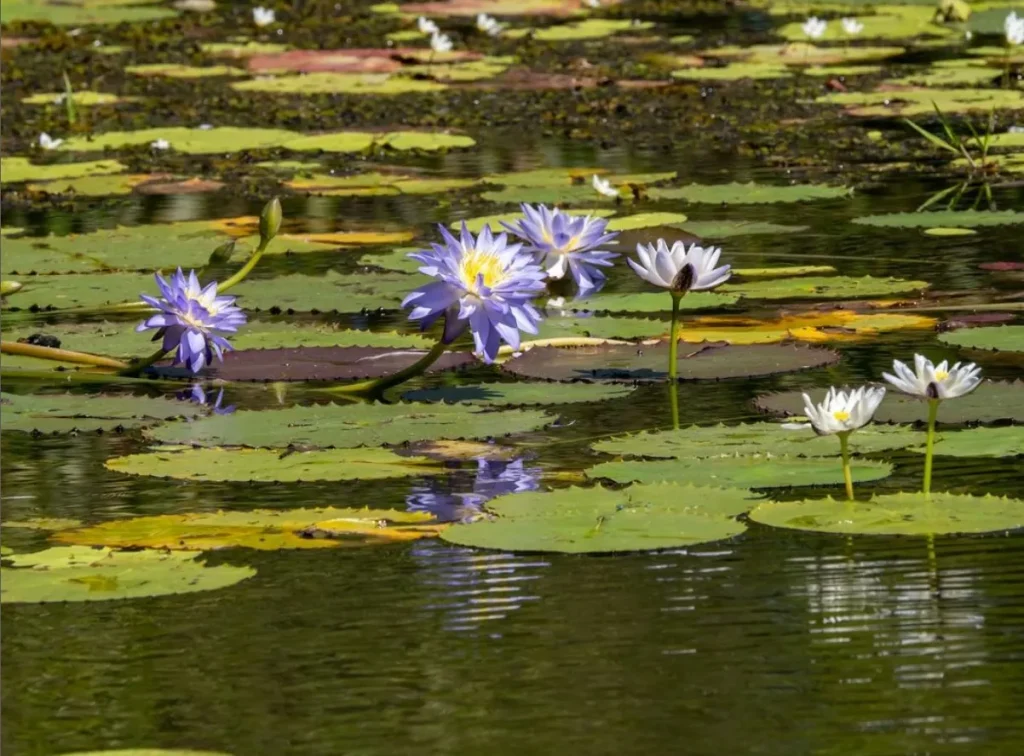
(242, 272)
(929, 449)
(673, 343)
(378, 385)
(137, 367)
(673, 398)
(844, 449)
(60, 355)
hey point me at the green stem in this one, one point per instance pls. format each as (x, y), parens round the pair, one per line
(844, 449)
(137, 367)
(1006, 68)
(379, 385)
(929, 449)
(673, 397)
(673, 343)
(60, 355)
(245, 269)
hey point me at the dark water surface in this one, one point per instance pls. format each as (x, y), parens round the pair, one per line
(777, 642)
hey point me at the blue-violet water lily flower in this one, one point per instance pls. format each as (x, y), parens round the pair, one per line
(485, 284)
(189, 318)
(567, 243)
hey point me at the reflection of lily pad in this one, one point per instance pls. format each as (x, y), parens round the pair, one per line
(598, 520)
(63, 413)
(896, 514)
(270, 465)
(629, 362)
(961, 218)
(1008, 338)
(347, 426)
(749, 194)
(740, 472)
(263, 529)
(754, 438)
(828, 287)
(80, 573)
(991, 401)
(517, 394)
(979, 442)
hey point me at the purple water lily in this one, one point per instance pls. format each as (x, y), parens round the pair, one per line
(567, 243)
(485, 284)
(493, 478)
(189, 317)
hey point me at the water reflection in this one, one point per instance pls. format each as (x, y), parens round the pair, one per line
(493, 478)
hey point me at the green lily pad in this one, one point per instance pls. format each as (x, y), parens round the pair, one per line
(783, 271)
(244, 49)
(81, 573)
(645, 220)
(349, 426)
(270, 465)
(991, 401)
(629, 363)
(178, 71)
(262, 529)
(147, 752)
(947, 231)
(598, 520)
(84, 12)
(713, 230)
(372, 184)
(64, 413)
(733, 72)
(17, 169)
(567, 194)
(961, 218)
(43, 523)
(81, 98)
(590, 28)
(911, 101)
(477, 224)
(800, 54)
(126, 183)
(942, 74)
(897, 22)
(699, 442)
(740, 472)
(519, 394)
(651, 301)
(749, 193)
(1007, 338)
(823, 287)
(330, 82)
(896, 514)
(231, 139)
(978, 442)
(332, 292)
(556, 326)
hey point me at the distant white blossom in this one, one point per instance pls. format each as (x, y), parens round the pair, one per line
(262, 16)
(1014, 28)
(852, 26)
(592, 3)
(426, 26)
(49, 143)
(814, 27)
(440, 43)
(488, 24)
(604, 186)
(160, 144)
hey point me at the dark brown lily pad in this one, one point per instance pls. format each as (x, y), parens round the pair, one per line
(183, 186)
(326, 363)
(992, 401)
(976, 320)
(631, 362)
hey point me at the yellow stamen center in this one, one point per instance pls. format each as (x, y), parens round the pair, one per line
(481, 265)
(841, 416)
(941, 375)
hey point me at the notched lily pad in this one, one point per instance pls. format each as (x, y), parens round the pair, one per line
(631, 363)
(824, 287)
(81, 573)
(979, 442)
(519, 394)
(1007, 338)
(750, 193)
(650, 301)
(325, 363)
(599, 520)
(64, 413)
(896, 514)
(941, 218)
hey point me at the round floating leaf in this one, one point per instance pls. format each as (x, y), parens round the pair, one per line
(269, 465)
(940, 218)
(326, 363)
(713, 230)
(733, 72)
(1007, 338)
(43, 523)
(351, 425)
(82, 97)
(16, 169)
(630, 363)
(147, 752)
(898, 22)
(699, 442)
(979, 442)
(910, 101)
(63, 413)
(741, 472)
(801, 54)
(950, 231)
(590, 28)
(830, 326)
(364, 184)
(896, 514)
(823, 287)
(598, 520)
(991, 401)
(592, 326)
(477, 224)
(645, 220)
(331, 82)
(80, 573)
(331, 292)
(749, 194)
(517, 394)
(651, 301)
(86, 12)
(178, 71)
(263, 529)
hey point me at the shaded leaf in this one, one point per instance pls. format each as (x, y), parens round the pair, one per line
(517, 394)
(939, 218)
(749, 193)
(63, 413)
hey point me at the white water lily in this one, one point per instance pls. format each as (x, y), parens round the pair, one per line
(160, 144)
(262, 16)
(842, 412)
(426, 26)
(592, 3)
(930, 381)
(679, 269)
(814, 27)
(440, 43)
(49, 143)
(604, 186)
(488, 24)
(1013, 26)
(852, 26)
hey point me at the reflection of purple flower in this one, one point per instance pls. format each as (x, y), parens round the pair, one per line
(198, 396)
(493, 479)
(567, 243)
(188, 317)
(485, 284)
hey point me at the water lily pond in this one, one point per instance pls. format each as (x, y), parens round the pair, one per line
(512, 375)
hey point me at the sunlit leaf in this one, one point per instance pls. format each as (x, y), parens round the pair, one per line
(16, 169)
(979, 442)
(932, 219)
(749, 194)
(1007, 338)
(518, 394)
(823, 287)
